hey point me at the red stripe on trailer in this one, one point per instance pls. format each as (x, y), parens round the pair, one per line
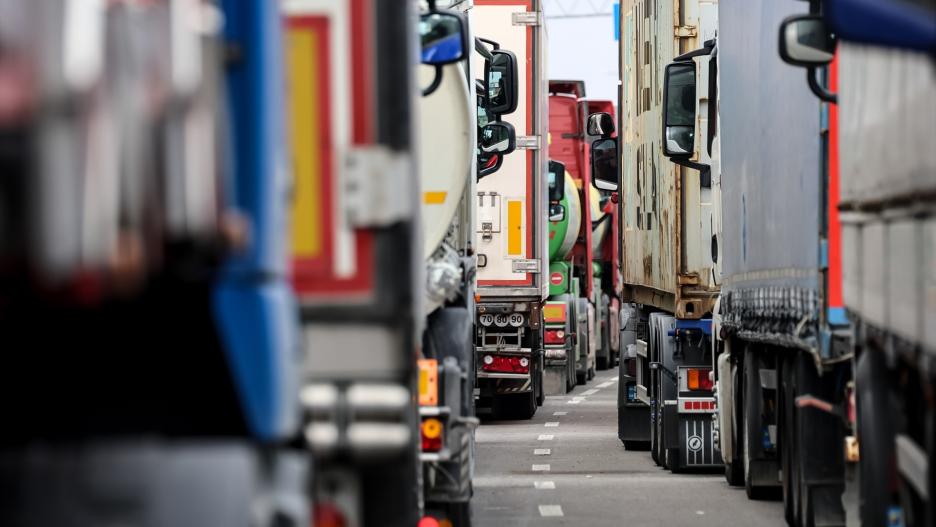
(314, 284)
(835, 227)
(531, 158)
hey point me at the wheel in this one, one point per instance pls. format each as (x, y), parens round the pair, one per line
(591, 373)
(734, 468)
(538, 382)
(581, 377)
(602, 363)
(459, 513)
(636, 445)
(515, 407)
(752, 393)
(787, 439)
(876, 437)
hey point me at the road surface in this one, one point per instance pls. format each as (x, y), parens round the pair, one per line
(566, 466)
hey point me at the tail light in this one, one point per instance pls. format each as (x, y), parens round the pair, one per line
(505, 364)
(699, 379)
(328, 515)
(431, 432)
(555, 336)
(428, 521)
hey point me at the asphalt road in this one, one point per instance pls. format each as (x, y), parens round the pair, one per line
(566, 466)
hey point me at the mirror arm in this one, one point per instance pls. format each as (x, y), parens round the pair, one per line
(493, 44)
(436, 82)
(483, 50)
(818, 90)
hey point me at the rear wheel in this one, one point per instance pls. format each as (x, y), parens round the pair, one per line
(459, 513)
(516, 406)
(734, 467)
(875, 432)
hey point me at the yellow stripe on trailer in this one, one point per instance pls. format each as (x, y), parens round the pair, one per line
(514, 228)
(303, 49)
(434, 198)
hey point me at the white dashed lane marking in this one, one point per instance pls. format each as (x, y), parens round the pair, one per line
(544, 485)
(541, 468)
(550, 510)
(605, 384)
(551, 424)
(590, 392)
(541, 451)
(545, 437)
(560, 413)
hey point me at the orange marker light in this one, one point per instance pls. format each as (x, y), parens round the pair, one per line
(693, 379)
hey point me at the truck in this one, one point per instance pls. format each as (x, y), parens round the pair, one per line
(357, 262)
(457, 125)
(510, 241)
(570, 241)
(579, 242)
(669, 231)
(783, 352)
(876, 98)
(146, 306)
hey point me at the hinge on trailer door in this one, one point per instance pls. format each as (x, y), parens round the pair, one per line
(528, 142)
(377, 187)
(527, 18)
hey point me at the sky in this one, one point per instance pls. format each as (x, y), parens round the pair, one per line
(582, 45)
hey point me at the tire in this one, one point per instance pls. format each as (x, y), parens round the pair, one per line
(602, 363)
(591, 374)
(538, 382)
(734, 468)
(459, 513)
(581, 377)
(787, 440)
(751, 391)
(637, 446)
(515, 407)
(876, 437)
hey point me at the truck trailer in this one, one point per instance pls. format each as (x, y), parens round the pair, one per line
(783, 353)
(670, 238)
(510, 240)
(356, 258)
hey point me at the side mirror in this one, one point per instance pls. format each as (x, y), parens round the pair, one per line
(500, 76)
(679, 106)
(556, 212)
(604, 164)
(556, 182)
(497, 138)
(488, 164)
(806, 41)
(600, 125)
(444, 37)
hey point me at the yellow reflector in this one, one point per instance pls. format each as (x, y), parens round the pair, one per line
(445, 523)
(514, 227)
(434, 198)
(431, 428)
(303, 51)
(428, 382)
(554, 313)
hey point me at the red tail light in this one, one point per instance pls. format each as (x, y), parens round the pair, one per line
(505, 364)
(328, 515)
(699, 379)
(555, 336)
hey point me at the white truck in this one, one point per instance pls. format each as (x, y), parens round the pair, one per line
(511, 230)
(448, 139)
